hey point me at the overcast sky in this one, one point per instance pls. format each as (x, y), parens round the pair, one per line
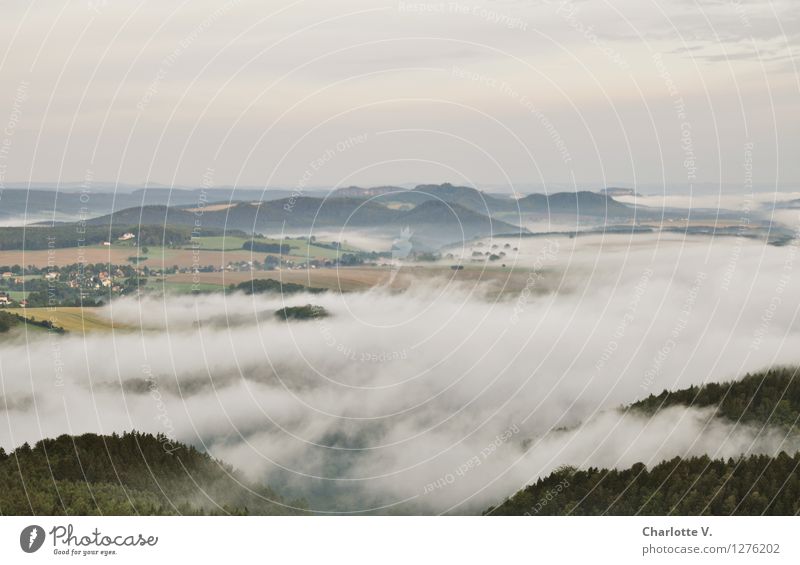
(523, 94)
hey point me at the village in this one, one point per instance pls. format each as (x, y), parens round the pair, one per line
(91, 284)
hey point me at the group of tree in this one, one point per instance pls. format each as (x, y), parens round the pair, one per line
(350, 260)
(696, 486)
(266, 247)
(770, 397)
(9, 321)
(307, 312)
(67, 235)
(271, 286)
(132, 473)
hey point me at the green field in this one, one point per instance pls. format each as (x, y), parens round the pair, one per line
(223, 243)
(299, 249)
(183, 287)
(18, 295)
(314, 251)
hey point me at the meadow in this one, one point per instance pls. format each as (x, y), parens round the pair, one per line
(217, 251)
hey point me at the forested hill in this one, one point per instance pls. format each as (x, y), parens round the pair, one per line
(753, 485)
(769, 397)
(686, 487)
(133, 473)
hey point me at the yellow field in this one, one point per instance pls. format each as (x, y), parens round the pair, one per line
(350, 279)
(73, 319)
(345, 278)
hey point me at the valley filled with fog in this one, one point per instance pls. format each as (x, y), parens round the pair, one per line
(447, 395)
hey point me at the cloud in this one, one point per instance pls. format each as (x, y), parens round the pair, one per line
(203, 84)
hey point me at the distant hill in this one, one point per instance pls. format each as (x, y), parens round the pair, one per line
(60, 206)
(130, 474)
(358, 192)
(145, 215)
(470, 198)
(613, 191)
(301, 212)
(40, 204)
(451, 222)
(572, 204)
(192, 197)
(432, 219)
(436, 213)
(575, 204)
(306, 212)
(269, 209)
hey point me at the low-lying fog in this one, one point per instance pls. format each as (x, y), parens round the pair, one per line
(433, 399)
(753, 206)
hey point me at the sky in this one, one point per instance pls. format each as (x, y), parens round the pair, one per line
(664, 96)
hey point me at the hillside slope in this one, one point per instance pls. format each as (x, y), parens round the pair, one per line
(133, 473)
(582, 203)
(697, 486)
(38, 204)
(451, 222)
(766, 398)
(752, 485)
(306, 213)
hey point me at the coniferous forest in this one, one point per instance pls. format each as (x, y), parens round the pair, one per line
(770, 397)
(753, 485)
(695, 486)
(132, 473)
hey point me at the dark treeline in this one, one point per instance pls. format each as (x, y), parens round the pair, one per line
(264, 247)
(60, 236)
(689, 487)
(769, 397)
(307, 312)
(262, 286)
(10, 320)
(133, 473)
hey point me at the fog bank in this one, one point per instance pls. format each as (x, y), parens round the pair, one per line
(434, 399)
